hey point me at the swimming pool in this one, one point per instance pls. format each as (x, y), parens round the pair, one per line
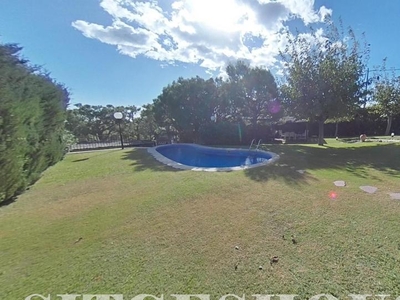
(201, 158)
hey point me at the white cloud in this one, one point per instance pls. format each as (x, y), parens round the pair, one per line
(324, 12)
(137, 40)
(210, 33)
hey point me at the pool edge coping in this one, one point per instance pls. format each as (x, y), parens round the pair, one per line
(169, 162)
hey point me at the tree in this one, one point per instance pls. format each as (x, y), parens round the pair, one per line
(96, 122)
(130, 123)
(387, 96)
(323, 78)
(147, 125)
(185, 106)
(250, 94)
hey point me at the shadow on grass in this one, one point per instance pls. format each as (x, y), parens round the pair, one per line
(356, 160)
(99, 152)
(142, 161)
(279, 171)
(82, 159)
(8, 202)
(353, 159)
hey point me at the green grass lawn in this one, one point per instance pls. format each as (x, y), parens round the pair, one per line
(118, 221)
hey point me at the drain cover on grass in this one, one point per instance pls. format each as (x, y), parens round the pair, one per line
(339, 183)
(395, 196)
(369, 189)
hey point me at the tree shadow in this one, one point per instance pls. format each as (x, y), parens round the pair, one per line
(279, 171)
(82, 159)
(142, 161)
(8, 201)
(100, 152)
(356, 160)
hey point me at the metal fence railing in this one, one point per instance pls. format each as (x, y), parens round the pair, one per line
(96, 145)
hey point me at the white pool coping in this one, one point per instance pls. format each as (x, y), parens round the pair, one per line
(169, 162)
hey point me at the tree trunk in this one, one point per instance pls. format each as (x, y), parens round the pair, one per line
(321, 133)
(307, 131)
(389, 125)
(337, 129)
(137, 133)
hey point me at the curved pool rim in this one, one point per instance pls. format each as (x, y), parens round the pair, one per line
(169, 162)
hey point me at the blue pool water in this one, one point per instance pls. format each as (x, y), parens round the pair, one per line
(208, 157)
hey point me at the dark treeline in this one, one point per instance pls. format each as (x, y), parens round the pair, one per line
(206, 111)
(245, 106)
(32, 116)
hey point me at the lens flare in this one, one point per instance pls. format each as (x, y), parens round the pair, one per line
(333, 195)
(274, 107)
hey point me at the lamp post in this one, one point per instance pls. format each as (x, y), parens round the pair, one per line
(118, 117)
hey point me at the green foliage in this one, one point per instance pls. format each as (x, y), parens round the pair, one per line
(223, 133)
(323, 76)
(250, 94)
(147, 126)
(69, 139)
(97, 122)
(32, 114)
(185, 106)
(188, 107)
(387, 96)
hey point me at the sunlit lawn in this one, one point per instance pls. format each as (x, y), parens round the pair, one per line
(119, 222)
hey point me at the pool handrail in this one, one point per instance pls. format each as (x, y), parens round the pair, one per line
(258, 144)
(251, 144)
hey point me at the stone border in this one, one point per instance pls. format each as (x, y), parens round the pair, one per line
(169, 162)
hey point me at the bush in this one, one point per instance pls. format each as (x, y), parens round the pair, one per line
(32, 114)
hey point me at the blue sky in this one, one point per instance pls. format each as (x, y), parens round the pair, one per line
(123, 52)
